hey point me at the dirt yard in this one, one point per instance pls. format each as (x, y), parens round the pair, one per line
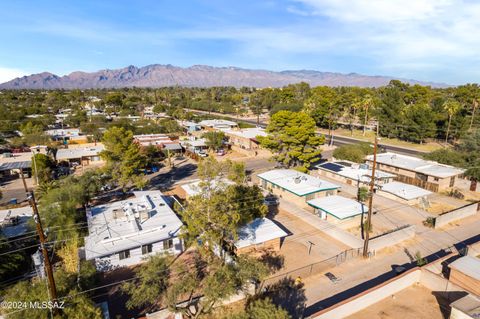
(414, 302)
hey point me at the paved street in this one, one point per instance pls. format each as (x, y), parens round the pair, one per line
(14, 189)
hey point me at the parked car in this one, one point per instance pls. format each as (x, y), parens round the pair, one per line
(271, 200)
(202, 154)
(220, 152)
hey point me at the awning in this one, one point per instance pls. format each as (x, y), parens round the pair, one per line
(15, 165)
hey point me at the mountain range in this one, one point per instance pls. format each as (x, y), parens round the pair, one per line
(157, 75)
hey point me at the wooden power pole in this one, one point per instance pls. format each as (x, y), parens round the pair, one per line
(370, 198)
(38, 223)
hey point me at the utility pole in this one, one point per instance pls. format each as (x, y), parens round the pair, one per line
(38, 223)
(370, 198)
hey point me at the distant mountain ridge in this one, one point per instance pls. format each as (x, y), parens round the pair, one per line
(158, 75)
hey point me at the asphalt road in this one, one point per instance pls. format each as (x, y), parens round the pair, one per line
(337, 140)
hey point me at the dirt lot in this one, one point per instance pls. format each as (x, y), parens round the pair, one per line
(414, 302)
(295, 248)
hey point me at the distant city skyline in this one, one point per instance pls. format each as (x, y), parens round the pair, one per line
(427, 40)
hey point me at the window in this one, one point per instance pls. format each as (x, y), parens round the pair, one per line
(310, 196)
(146, 249)
(167, 244)
(124, 254)
(397, 169)
(436, 179)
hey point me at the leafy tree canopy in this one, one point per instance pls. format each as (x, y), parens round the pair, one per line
(293, 140)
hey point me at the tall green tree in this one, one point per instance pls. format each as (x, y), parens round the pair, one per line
(293, 140)
(451, 107)
(124, 157)
(214, 139)
(192, 288)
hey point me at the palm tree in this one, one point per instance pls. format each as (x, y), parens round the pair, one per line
(451, 107)
(367, 103)
(474, 108)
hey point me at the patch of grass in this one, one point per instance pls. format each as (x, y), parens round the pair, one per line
(370, 135)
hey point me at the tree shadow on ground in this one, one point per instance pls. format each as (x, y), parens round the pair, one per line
(287, 294)
(166, 181)
(272, 259)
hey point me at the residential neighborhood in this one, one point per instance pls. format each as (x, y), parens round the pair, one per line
(284, 159)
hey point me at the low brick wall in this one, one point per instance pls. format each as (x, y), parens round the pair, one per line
(456, 214)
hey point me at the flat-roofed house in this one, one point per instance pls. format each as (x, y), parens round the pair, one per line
(295, 186)
(404, 193)
(245, 139)
(12, 163)
(82, 155)
(152, 139)
(161, 141)
(68, 135)
(217, 124)
(465, 272)
(261, 233)
(123, 233)
(353, 173)
(337, 208)
(430, 175)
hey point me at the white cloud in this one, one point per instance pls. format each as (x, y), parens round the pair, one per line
(399, 33)
(7, 74)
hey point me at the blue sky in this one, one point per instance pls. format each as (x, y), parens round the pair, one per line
(431, 40)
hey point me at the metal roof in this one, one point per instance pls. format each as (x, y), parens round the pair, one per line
(404, 191)
(338, 206)
(296, 182)
(417, 165)
(172, 146)
(469, 305)
(15, 165)
(467, 265)
(258, 231)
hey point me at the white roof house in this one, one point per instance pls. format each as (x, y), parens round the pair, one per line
(258, 231)
(194, 143)
(114, 227)
(79, 152)
(249, 133)
(152, 139)
(13, 222)
(405, 191)
(70, 132)
(194, 188)
(417, 165)
(218, 124)
(361, 173)
(296, 182)
(338, 206)
(467, 265)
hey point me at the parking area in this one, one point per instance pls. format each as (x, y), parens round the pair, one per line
(14, 189)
